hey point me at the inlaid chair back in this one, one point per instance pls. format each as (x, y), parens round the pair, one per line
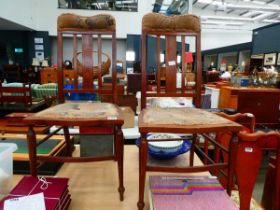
(89, 61)
(248, 160)
(171, 35)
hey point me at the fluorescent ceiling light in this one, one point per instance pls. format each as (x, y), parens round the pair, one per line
(218, 3)
(253, 7)
(205, 1)
(207, 17)
(271, 21)
(222, 23)
(130, 56)
(259, 2)
(273, 5)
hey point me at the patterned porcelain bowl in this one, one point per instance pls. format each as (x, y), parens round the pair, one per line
(166, 146)
(166, 149)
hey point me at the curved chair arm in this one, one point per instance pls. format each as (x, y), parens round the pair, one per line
(238, 116)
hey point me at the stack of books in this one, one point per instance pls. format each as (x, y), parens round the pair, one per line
(55, 191)
(183, 193)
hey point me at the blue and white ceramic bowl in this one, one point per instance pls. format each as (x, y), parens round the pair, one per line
(166, 149)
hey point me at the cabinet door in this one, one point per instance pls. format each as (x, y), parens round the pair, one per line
(48, 76)
(264, 105)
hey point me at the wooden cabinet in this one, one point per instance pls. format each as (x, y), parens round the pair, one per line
(49, 75)
(262, 102)
(133, 83)
(228, 97)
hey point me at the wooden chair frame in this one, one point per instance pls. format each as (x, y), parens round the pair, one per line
(170, 88)
(248, 160)
(87, 62)
(81, 114)
(148, 121)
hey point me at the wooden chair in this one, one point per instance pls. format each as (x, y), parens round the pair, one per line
(248, 160)
(171, 30)
(82, 114)
(177, 120)
(86, 70)
(224, 139)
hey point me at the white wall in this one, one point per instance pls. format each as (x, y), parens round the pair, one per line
(127, 22)
(41, 15)
(212, 38)
(19, 11)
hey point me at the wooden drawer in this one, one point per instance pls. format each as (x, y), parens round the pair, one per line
(48, 76)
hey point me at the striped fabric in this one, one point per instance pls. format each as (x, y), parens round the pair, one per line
(188, 193)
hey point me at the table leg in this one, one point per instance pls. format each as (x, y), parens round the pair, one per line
(119, 155)
(115, 143)
(231, 162)
(143, 155)
(31, 140)
(192, 149)
(67, 140)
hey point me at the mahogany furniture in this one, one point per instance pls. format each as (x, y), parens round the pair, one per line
(224, 138)
(184, 120)
(262, 102)
(5, 127)
(49, 75)
(178, 120)
(172, 29)
(12, 73)
(21, 94)
(19, 98)
(83, 114)
(269, 185)
(248, 160)
(133, 83)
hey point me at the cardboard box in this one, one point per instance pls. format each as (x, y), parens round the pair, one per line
(128, 114)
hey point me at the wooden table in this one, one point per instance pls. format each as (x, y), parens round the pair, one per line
(78, 114)
(90, 184)
(184, 121)
(6, 128)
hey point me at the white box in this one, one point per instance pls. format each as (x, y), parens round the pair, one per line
(6, 167)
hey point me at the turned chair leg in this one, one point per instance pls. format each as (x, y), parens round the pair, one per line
(143, 156)
(119, 157)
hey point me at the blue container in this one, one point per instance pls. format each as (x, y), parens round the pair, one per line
(244, 82)
(79, 96)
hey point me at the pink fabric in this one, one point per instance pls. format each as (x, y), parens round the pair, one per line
(188, 193)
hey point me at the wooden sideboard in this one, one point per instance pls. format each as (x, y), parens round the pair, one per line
(262, 102)
(49, 75)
